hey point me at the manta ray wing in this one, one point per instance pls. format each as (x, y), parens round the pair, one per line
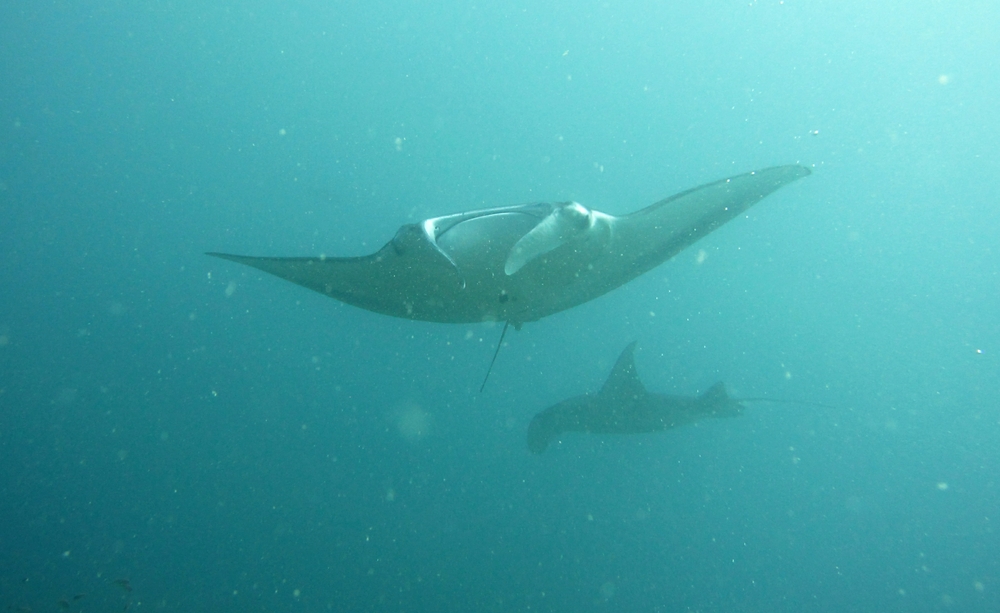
(408, 277)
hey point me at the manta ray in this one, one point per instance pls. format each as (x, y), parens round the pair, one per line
(518, 264)
(623, 406)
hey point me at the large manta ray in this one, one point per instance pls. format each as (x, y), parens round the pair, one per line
(517, 264)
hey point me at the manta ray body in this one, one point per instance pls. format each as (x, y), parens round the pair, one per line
(623, 406)
(518, 264)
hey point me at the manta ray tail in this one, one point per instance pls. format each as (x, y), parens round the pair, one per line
(785, 401)
(495, 353)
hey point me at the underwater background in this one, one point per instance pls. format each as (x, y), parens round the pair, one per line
(179, 433)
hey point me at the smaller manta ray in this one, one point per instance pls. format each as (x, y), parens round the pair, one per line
(624, 406)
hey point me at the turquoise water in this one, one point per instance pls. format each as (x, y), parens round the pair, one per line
(184, 434)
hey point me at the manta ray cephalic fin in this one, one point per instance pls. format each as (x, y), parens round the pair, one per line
(561, 225)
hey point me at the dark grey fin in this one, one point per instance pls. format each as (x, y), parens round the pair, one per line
(623, 382)
(718, 403)
(716, 393)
